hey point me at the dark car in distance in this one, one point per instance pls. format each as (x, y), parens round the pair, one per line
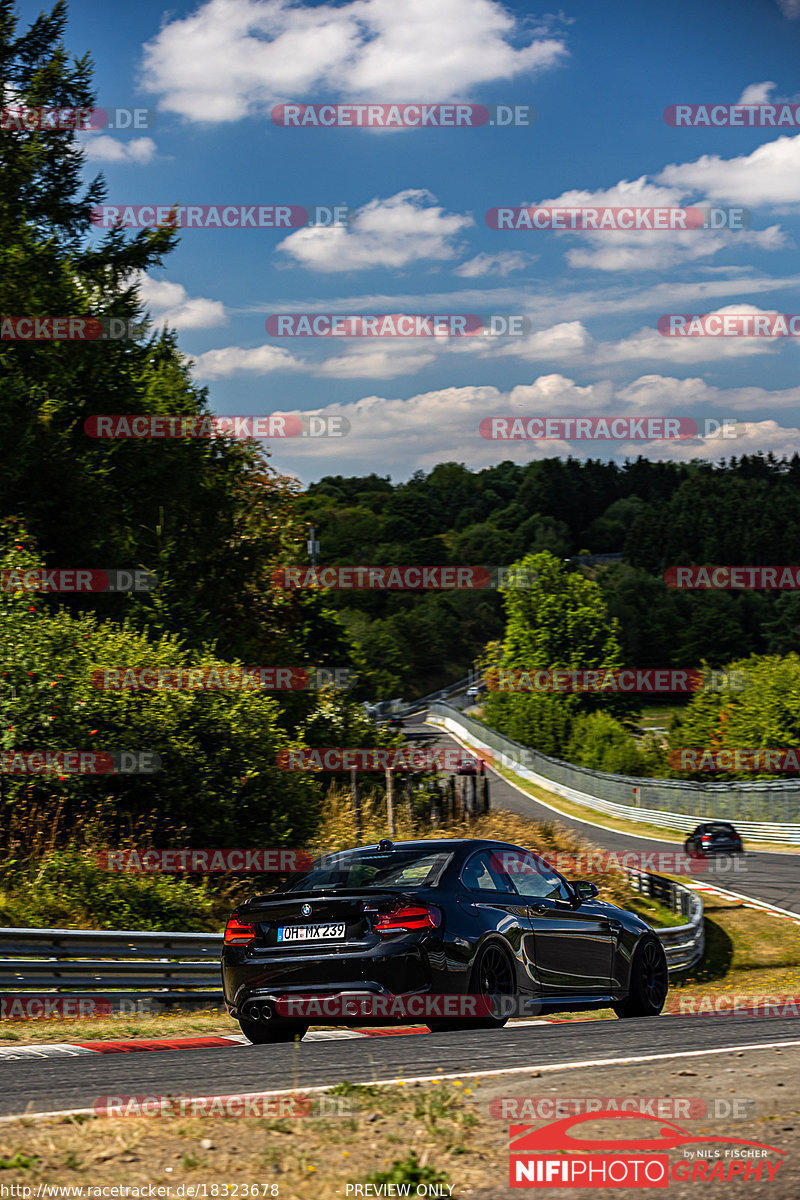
(394, 725)
(714, 837)
(426, 919)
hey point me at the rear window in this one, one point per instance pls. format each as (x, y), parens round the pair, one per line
(719, 827)
(374, 869)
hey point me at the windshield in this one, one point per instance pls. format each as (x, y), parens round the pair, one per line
(372, 869)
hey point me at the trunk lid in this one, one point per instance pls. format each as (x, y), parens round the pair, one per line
(355, 908)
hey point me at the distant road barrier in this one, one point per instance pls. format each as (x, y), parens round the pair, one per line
(763, 810)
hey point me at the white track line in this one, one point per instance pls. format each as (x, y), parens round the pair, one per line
(540, 1067)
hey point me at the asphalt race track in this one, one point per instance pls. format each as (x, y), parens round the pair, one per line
(54, 1085)
(74, 1083)
(771, 878)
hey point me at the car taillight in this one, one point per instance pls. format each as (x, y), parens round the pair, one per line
(705, 838)
(406, 917)
(236, 932)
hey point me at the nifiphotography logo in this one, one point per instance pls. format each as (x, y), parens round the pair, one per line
(641, 1160)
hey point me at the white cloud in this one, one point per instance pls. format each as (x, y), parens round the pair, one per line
(790, 8)
(757, 93)
(649, 391)
(547, 304)
(646, 249)
(387, 361)
(648, 343)
(407, 228)
(397, 436)
(170, 304)
(752, 437)
(233, 58)
(568, 339)
(233, 360)
(770, 175)
(99, 147)
(494, 264)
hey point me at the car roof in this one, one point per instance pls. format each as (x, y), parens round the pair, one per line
(439, 845)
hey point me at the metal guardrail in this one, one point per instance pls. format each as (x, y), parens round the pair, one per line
(183, 968)
(684, 944)
(422, 703)
(667, 803)
(116, 965)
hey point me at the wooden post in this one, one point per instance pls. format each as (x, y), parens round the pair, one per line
(436, 805)
(390, 801)
(355, 798)
(410, 799)
(486, 804)
(451, 797)
(472, 787)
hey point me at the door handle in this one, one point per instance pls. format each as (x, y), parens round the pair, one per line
(535, 908)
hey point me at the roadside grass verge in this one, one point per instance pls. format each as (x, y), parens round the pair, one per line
(400, 1133)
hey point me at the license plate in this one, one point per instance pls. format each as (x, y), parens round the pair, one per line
(310, 933)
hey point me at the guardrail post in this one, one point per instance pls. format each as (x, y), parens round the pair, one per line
(485, 797)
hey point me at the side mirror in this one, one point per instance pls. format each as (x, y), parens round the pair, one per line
(585, 890)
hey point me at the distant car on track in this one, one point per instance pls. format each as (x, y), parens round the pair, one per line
(714, 837)
(465, 917)
(395, 725)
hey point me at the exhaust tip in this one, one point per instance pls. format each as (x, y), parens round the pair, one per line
(258, 1011)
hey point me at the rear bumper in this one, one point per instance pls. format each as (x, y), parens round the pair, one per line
(357, 1005)
(386, 969)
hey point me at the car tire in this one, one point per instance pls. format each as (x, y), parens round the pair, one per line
(262, 1033)
(687, 845)
(649, 983)
(492, 975)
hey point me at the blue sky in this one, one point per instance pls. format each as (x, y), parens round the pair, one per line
(599, 75)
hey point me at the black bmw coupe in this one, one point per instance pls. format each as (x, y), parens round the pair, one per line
(459, 932)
